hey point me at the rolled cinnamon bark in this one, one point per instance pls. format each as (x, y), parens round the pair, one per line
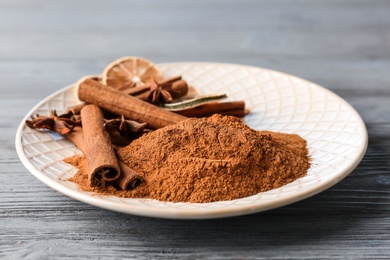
(132, 108)
(128, 179)
(233, 112)
(102, 162)
(137, 90)
(232, 108)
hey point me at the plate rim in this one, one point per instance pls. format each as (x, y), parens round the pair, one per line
(186, 213)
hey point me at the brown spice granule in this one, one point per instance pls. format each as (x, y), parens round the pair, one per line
(209, 159)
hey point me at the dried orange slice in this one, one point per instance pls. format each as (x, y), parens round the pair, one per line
(129, 72)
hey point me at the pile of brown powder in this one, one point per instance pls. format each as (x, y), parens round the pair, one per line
(210, 159)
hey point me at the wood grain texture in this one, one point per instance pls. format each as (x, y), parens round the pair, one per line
(342, 45)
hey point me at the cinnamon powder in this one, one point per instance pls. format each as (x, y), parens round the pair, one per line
(205, 160)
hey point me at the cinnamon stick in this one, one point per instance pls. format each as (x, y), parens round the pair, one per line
(132, 108)
(233, 112)
(233, 108)
(137, 90)
(128, 179)
(102, 162)
(144, 96)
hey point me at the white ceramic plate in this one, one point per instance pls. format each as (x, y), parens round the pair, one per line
(336, 136)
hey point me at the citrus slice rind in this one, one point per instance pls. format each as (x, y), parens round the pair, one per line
(77, 84)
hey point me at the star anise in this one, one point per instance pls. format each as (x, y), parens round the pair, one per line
(62, 124)
(167, 90)
(158, 95)
(123, 131)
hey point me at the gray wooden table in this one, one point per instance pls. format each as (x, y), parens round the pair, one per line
(341, 45)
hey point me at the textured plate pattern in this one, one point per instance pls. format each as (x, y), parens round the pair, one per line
(336, 136)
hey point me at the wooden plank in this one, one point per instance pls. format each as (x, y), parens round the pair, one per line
(262, 43)
(59, 15)
(342, 45)
(339, 75)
